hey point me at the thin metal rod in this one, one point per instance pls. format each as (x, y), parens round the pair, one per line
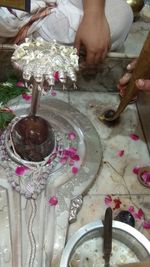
(35, 98)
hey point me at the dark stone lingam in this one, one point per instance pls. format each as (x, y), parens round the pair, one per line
(33, 138)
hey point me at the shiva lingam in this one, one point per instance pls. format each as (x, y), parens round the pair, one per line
(32, 136)
(141, 71)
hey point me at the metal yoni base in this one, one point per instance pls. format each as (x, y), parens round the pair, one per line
(33, 231)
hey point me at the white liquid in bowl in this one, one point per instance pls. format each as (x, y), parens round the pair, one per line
(90, 254)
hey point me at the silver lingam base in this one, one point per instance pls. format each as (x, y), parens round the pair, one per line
(64, 119)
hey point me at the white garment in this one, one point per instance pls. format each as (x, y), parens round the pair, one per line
(64, 20)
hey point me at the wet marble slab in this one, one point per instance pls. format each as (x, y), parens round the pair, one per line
(116, 178)
(94, 208)
(116, 172)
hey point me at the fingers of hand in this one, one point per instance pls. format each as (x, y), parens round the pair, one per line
(125, 79)
(131, 66)
(143, 84)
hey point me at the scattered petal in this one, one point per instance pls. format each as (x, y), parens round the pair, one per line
(117, 203)
(26, 96)
(120, 153)
(75, 157)
(139, 215)
(108, 200)
(53, 201)
(20, 170)
(134, 136)
(136, 169)
(53, 93)
(20, 84)
(56, 75)
(72, 136)
(75, 170)
(146, 177)
(131, 209)
(146, 225)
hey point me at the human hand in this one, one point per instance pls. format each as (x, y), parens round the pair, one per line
(140, 83)
(94, 35)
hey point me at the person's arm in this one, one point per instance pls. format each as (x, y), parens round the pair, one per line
(93, 32)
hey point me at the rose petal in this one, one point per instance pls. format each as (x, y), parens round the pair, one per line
(108, 200)
(53, 93)
(117, 203)
(139, 214)
(26, 96)
(146, 177)
(134, 136)
(75, 170)
(146, 225)
(56, 75)
(120, 153)
(72, 136)
(75, 157)
(53, 201)
(20, 170)
(20, 84)
(131, 209)
(136, 169)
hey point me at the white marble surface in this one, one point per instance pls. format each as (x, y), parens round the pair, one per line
(116, 176)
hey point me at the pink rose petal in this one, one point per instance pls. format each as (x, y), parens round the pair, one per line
(26, 96)
(20, 170)
(53, 201)
(108, 200)
(53, 93)
(131, 209)
(72, 136)
(136, 169)
(120, 153)
(75, 157)
(20, 84)
(146, 225)
(75, 170)
(134, 137)
(56, 75)
(146, 177)
(139, 214)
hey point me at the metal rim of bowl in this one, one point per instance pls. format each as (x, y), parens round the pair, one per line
(95, 225)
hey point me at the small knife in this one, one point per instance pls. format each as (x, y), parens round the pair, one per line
(107, 242)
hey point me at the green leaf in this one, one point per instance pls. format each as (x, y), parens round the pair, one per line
(9, 90)
(5, 118)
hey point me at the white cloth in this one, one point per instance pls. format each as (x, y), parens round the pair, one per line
(64, 20)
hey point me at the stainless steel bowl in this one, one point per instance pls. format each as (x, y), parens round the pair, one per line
(122, 232)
